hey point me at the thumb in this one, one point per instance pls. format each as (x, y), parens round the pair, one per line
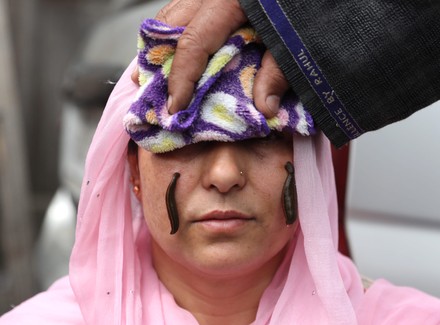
(269, 87)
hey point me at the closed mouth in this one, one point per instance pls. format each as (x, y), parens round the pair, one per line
(224, 216)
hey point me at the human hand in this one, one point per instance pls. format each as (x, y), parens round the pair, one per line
(209, 23)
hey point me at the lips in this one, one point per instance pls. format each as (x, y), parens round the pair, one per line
(224, 221)
(224, 216)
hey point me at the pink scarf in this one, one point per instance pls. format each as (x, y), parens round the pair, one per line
(112, 280)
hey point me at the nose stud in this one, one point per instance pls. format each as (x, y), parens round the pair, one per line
(241, 173)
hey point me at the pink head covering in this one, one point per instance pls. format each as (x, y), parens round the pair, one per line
(111, 271)
(112, 280)
(111, 268)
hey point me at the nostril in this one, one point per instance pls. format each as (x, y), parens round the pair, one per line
(226, 179)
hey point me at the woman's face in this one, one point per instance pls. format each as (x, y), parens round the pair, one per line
(230, 222)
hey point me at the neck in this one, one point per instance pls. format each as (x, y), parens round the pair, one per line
(213, 300)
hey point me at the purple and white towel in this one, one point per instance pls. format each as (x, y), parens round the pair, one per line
(222, 107)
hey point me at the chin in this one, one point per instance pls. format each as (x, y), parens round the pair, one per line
(227, 263)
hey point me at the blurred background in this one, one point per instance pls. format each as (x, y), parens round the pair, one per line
(59, 61)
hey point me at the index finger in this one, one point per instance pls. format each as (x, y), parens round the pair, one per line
(214, 22)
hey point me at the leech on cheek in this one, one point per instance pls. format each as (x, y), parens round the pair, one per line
(171, 204)
(290, 199)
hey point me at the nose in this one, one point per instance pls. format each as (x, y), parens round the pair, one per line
(224, 169)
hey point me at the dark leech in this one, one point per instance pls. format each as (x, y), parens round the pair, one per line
(171, 204)
(290, 199)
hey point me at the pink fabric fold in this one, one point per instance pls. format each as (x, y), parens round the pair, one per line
(112, 280)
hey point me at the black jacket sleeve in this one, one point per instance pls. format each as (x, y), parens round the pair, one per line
(356, 65)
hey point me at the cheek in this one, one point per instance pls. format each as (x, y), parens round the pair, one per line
(154, 187)
(270, 186)
(153, 203)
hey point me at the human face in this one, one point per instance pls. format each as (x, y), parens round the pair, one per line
(230, 222)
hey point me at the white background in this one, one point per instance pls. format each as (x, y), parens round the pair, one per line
(393, 202)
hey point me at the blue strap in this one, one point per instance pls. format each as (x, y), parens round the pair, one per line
(310, 69)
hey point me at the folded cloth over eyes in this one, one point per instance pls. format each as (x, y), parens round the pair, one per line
(222, 107)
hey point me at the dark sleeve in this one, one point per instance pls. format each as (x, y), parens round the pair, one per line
(356, 65)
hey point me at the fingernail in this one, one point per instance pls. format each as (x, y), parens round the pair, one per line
(273, 102)
(169, 103)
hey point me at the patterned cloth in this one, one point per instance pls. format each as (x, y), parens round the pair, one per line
(222, 107)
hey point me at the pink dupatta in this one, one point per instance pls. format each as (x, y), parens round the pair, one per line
(112, 280)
